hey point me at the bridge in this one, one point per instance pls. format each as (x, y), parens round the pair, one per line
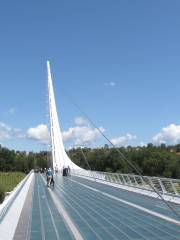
(89, 205)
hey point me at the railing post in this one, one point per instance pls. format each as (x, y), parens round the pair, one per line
(173, 187)
(152, 186)
(143, 183)
(111, 180)
(108, 177)
(129, 180)
(114, 177)
(162, 186)
(119, 179)
(123, 179)
(135, 180)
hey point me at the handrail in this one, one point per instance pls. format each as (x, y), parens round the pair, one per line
(166, 186)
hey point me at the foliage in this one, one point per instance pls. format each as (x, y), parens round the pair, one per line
(11, 161)
(150, 160)
(8, 180)
(14, 165)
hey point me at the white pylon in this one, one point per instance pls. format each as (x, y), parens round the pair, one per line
(60, 158)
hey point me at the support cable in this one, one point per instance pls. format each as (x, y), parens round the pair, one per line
(127, 161)
(87, 163)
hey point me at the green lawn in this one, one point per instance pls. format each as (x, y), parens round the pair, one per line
(10, 180)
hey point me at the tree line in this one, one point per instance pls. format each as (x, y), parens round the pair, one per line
(21, 161)
(150, 160)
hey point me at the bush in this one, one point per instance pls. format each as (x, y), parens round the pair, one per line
(2, 194)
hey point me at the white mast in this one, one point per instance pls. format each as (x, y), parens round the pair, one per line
(59, 156)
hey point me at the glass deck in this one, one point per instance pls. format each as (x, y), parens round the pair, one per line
(95, 215)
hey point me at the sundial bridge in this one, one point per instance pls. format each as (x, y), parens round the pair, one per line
(89, 205)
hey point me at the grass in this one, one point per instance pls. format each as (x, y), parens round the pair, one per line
(10, 180)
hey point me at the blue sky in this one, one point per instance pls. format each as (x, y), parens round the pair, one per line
(118, 60)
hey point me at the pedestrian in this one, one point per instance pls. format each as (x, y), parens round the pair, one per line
(56, 169)
(49, 176)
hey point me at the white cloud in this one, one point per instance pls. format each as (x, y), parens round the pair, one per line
(110, 84)
(7, 132)
(5, 127)
(123, 140)
(4, 135)
(39, 133)
(80, 121)
(142, 144)
(81, 135)
(168, 135)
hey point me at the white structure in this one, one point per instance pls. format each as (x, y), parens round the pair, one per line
(59, 155)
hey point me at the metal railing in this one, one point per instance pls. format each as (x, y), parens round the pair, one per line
(166, 186)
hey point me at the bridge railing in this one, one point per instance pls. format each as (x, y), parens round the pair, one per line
(4, 207)
(165, 186)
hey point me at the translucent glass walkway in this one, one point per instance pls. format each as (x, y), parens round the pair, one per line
(96, 213)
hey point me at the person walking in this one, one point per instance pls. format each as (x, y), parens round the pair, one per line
(49, 176)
